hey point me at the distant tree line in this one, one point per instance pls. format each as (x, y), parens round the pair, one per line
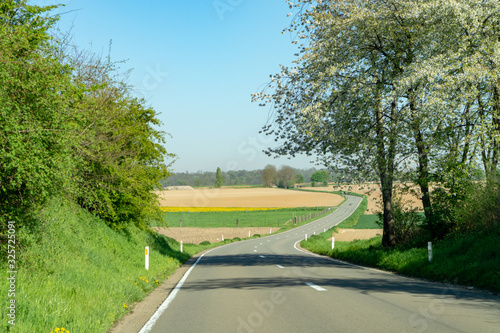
(289, 177)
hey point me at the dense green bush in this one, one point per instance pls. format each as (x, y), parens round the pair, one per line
(69, 127)
(481, 210)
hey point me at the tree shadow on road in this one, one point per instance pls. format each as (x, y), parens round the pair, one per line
(297, 270)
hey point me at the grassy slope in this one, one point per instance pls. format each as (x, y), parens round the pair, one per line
(472, 259)
(81, 275)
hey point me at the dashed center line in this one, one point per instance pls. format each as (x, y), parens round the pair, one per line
(279, 266)
(262, 256)
(314, 286)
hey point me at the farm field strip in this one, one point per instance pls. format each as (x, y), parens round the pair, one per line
(261, 218)
(217, 209)
(213, 235)
(248, 197)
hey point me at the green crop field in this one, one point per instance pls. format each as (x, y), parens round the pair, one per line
(261, 218)
(367, 222)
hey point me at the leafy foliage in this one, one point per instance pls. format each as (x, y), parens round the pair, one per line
(481, 208)
(322, 176)
(37, 127)
(70, 127)
(218, 178)
(408, 221)
(269, 175)
(286, 177)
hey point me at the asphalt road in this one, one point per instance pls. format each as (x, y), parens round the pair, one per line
(269, 285)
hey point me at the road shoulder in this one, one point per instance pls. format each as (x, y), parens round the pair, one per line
(143, 310)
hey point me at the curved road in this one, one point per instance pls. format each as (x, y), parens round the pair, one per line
(269, 285)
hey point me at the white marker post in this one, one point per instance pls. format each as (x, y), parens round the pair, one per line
(222, 237)
(147, 258)
(429, 247)
(248, 233)
(270, 231)
(306, 236)
(181, 246)
(333, 242)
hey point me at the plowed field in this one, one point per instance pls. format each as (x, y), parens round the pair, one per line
(374, 195)
(248, 197)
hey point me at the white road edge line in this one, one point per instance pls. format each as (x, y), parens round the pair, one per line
(314, 286)
(279, 266)
(152, 321)
(337, 260)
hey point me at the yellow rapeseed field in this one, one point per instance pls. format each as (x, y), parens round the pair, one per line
(215, 209)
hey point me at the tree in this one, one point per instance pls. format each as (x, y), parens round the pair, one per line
(218, 178)
(269, 175)
(299, 179)
(322, 176)
(286, 177)
(341, 101)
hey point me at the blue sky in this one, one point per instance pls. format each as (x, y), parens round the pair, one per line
(197, 62)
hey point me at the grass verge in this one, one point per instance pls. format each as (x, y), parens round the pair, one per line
(471, 259)
(77, 273)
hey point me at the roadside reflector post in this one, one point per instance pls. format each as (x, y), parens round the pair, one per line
(222, 237)
(306, 236)
(324, 229)
(270, 231)
(333, 242)
(181, 246)
(429, 248)
(248, 233)
(147, 258)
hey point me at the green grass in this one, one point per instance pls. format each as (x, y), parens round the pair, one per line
(75, 272)
(472, 259)
(349, 222)
(263, 218)
(367, 222)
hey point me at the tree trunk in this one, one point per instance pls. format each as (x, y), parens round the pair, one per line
(389, 234)
(385, 165)
(423, 161)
